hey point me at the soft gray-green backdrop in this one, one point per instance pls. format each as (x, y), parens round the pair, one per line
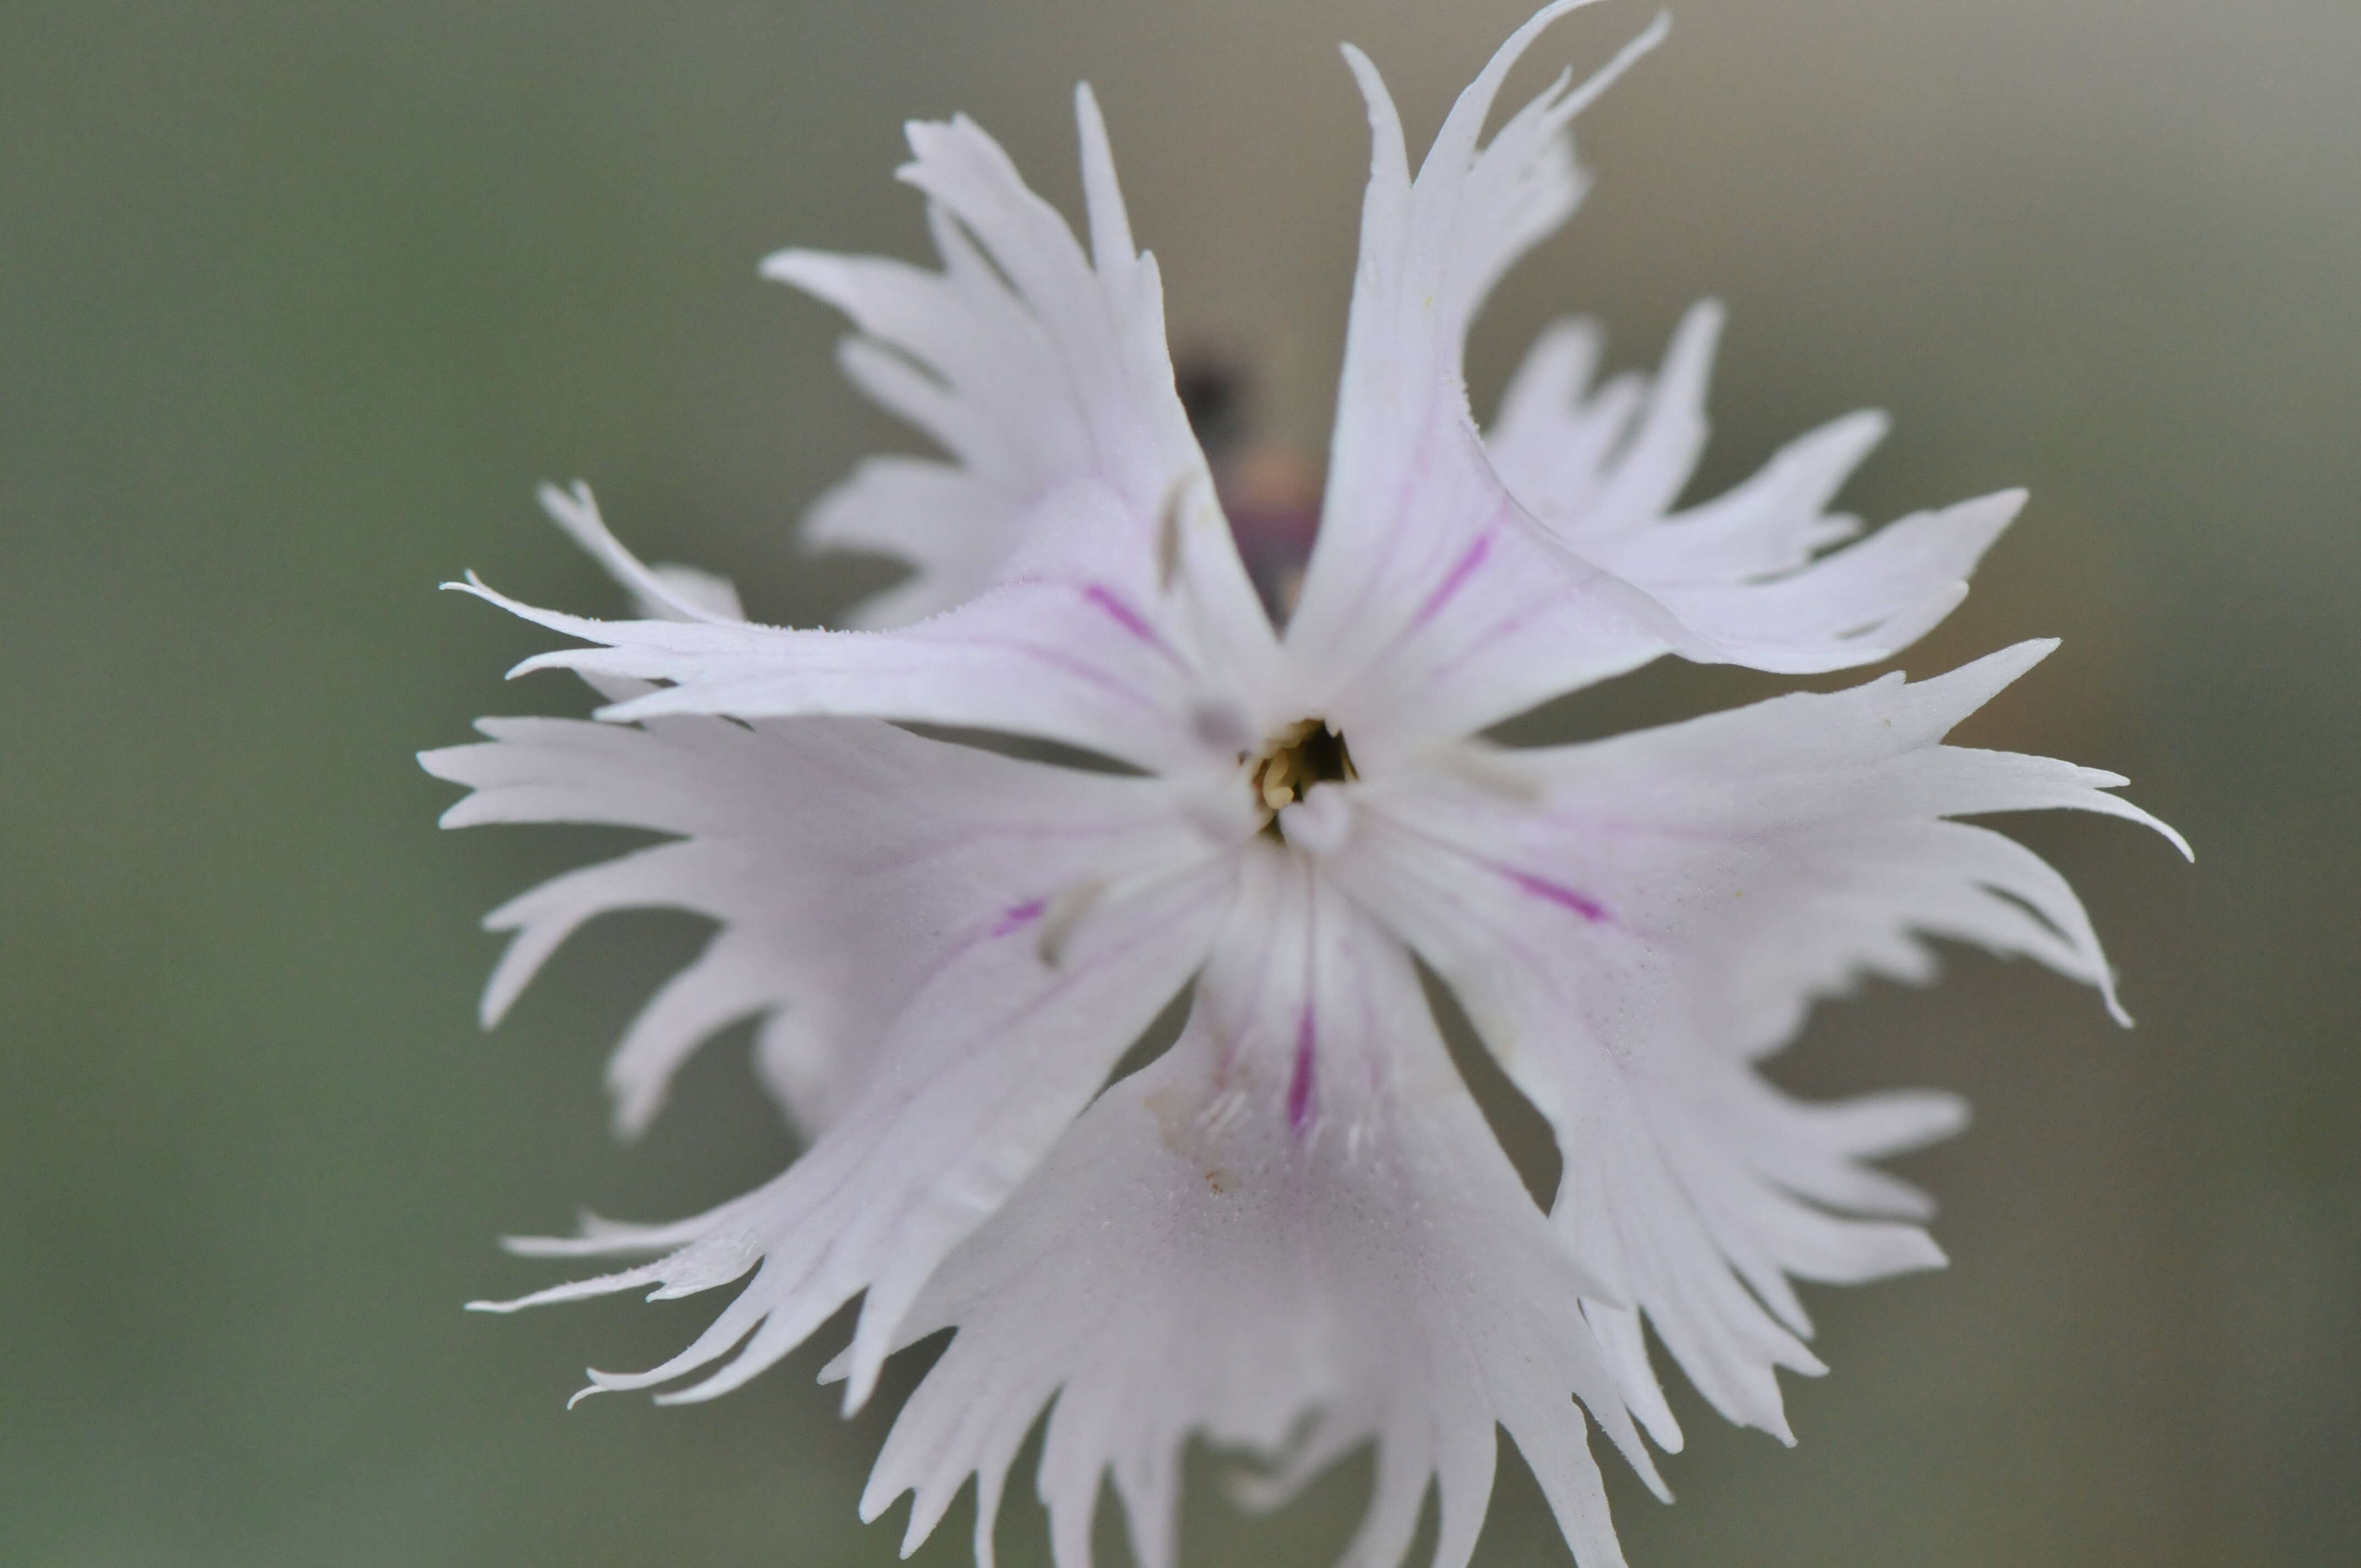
(298, 300)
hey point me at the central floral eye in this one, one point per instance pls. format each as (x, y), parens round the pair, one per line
(1304, 753)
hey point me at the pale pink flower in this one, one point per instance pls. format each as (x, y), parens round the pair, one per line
(1292, 1232)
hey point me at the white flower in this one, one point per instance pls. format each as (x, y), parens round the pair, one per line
(1292, 1232)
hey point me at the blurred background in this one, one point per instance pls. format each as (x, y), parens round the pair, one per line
(298, 302)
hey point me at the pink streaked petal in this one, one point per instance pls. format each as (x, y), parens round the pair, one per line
(1216, 1252)
(847, 862)
(1751, 862)
(974, 1082)
(1063, 660)
(1433, 606)
(1037, 367)
(1455, 632)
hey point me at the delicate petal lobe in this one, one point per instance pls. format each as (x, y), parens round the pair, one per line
(1742, 572)
(1215, 1250)
(972, 1083)
(1036, 366)
(1661, 909)
(1433, 604)
(846, 861)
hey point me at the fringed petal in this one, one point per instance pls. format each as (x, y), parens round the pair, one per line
(973, 1082)
(1291, 1235)
(1743, 572)
(1097, 643)
(1432, 603)
(848, 864)
(1630, 922)
(1038, 367)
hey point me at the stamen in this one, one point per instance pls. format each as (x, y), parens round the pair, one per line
(1306, 752)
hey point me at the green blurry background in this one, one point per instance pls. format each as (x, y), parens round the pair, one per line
(297, 301)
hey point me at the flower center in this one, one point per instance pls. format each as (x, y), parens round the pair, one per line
(1304, 753)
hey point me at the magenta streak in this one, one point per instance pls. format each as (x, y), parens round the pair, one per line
(1107, 599)
(1077, 668)
(1455, 579)
(1552, 600)
(1018, 916)
(1298, 1087)
(1588, 909)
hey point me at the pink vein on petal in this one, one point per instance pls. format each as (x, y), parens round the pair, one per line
(1107, 599)
(1455, 579)
(1079, 668)
(1564, 897)
(1298, 1087)
(1018, 916)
